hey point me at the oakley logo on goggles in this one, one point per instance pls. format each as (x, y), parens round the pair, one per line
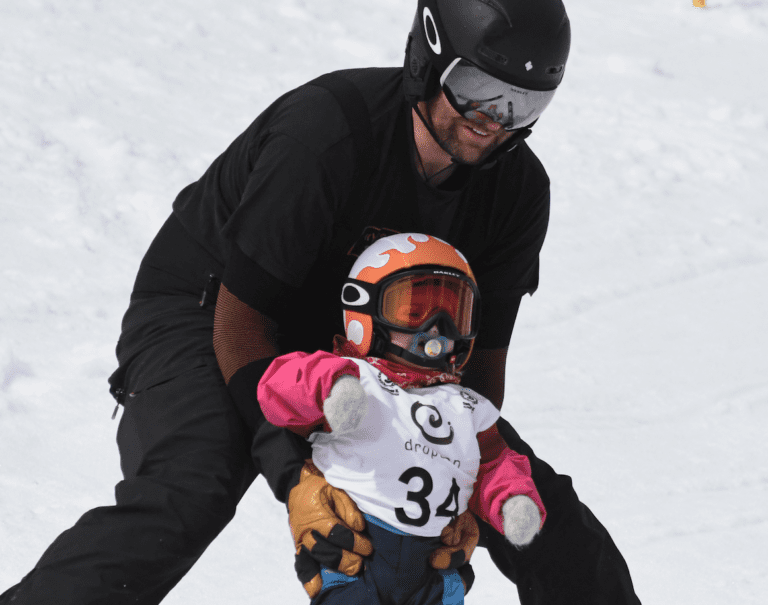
(415, 301)
(477, 96)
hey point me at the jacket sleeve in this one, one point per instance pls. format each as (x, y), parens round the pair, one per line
(292, 390)
(503, 473)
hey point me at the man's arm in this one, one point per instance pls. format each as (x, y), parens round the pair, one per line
(244, 332)
(325, 523)
(246, 324)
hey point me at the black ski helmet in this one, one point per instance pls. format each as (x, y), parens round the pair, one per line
(522, 42)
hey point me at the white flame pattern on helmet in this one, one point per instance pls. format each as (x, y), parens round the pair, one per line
(375, 256)
(355, 332)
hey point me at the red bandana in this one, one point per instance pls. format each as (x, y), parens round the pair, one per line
(403, 376)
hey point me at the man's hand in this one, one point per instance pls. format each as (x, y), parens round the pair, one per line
(325, 524)
(460, 537)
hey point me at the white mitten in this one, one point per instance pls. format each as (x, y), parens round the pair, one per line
(521, 520)
(346, 405)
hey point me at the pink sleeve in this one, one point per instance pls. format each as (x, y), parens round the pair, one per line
(292, 390)
(503, 473)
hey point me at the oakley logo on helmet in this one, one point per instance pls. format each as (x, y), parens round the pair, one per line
(430, 30)
(438, 272)
(354, 296)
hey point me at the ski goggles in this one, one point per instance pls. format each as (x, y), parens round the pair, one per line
(477, 95)
(415, 301)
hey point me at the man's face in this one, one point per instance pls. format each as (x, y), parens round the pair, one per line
(470, 141)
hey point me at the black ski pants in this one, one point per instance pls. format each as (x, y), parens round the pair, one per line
(185, 457)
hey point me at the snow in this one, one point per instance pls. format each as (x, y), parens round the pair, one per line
(638, 368)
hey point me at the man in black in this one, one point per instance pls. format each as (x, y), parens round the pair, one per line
(278, 218)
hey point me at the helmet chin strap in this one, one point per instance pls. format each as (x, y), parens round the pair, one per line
(518, 135)
(433, 134)
(440, 362)
(443, 360)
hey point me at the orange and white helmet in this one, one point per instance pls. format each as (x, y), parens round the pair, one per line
(410, 282)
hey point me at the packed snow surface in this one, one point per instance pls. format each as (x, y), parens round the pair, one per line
(639, 368)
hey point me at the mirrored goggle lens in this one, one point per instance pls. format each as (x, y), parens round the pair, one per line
(412, 300)
(473, 92)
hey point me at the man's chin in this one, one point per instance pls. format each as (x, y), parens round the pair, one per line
(473, 157)
(468, 153)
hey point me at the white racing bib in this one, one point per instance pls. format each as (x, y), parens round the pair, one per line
(413, 460)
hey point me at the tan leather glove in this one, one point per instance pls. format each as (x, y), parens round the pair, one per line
(326, 526)
(460, 537)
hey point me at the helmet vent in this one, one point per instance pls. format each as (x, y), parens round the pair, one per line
(554, 70)
(492, 55)
(498, 8)
(417, 70)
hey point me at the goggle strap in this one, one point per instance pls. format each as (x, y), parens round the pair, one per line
(368, 301)
(509, 145)
(446, 324)
(435, 137)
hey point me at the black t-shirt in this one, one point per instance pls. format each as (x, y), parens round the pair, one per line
(280, 193)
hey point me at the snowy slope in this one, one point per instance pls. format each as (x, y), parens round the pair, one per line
(638, 368)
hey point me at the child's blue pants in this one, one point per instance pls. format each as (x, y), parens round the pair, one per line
(398, 573)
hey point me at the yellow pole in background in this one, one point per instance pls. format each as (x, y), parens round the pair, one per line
(700, 3)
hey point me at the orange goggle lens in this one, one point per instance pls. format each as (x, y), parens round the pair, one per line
(412, 300)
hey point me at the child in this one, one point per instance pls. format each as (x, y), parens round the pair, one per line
(390, 425)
